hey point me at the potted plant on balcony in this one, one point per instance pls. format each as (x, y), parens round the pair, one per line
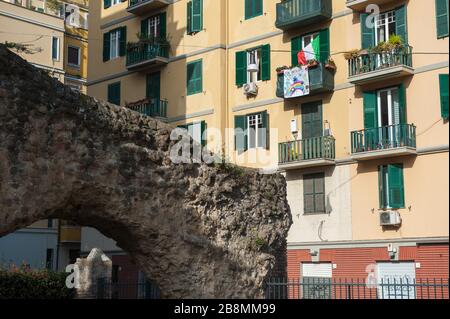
(312, 63)
(330, 65)
(280, 70)
(352, 54)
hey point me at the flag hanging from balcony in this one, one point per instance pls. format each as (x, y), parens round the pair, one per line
(296, 82)
(310, 52)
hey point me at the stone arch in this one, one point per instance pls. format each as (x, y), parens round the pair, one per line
(199, 230)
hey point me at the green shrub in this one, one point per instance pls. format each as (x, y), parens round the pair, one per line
(34, 285)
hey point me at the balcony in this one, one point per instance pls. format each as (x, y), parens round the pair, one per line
(299, 13)
(146, 56)
(321, 80)
(361, 5)
(373, 67)
(381, 142)
(150, 107)
(310, 152)
(141, 7)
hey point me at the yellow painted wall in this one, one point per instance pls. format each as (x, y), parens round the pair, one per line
(22, 25)
(226, 29)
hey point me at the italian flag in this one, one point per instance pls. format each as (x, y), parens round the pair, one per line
(310, 52)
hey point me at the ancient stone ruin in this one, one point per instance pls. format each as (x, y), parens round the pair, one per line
(199, 231)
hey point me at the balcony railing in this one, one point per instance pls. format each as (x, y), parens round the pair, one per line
(146, 53)
(372, 62)
(297, 13)
(322, 147)
(383, 138)
(143, 6)
(150, 107)
(321, 80)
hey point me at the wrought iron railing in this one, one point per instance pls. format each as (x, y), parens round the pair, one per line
(357, 288)
(321, 79)
(150, 107)
(145, 52)
(322, 147)
(136, 2)
(373, 61)
(382, 138)
(296, 11)
(106, 289)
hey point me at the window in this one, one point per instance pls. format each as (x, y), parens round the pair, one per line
(388, 107)
(194, 77)
(442, 22)
(196, 131)
(194, 16)
(49, 259)
(109, 3)
(391, 187)
(300, 43)
(114, 43)
(253, 8)
(312, 123)
(314, 193)
(114, 93)
(50, 223)
(251, 131)
(443, 83)
(73, 56)
(253, 57)
(385, 25)
(259, 56)
(154, 26)
(114, 48)
(55, 48)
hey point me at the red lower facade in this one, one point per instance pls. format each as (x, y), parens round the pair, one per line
(426, 265)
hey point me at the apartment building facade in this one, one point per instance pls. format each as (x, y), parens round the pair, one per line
(360, 129)
(54, 37)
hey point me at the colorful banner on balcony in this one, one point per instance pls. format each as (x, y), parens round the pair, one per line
(296, 82)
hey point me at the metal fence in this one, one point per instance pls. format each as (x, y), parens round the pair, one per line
(124, 290)
(327, 288)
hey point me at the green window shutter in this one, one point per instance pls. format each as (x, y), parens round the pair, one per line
(401, 23)
(163, 25)
(367, 34)
(114, 93)
(240, 133)
(382, 186)
(263, 136)
(396, 186)
(106, 46)
(197, 16)
(253, 8)
(296, 47)
(203, 130)
(312, 125)
(241, 68)
(370, 110)
(194, 77)
(248, 9)
(402, 103)
(144, 27)
(265, 62)
(443, 83)
(189, 18)
(324, 38)
(314, 193)
(106, 4)
(442, 20)
(123, 41)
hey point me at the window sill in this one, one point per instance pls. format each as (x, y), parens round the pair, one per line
(314, 214)
(73, 66)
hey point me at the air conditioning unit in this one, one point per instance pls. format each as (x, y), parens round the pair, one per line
(253, 67)
(390, 218)
(250, 89)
